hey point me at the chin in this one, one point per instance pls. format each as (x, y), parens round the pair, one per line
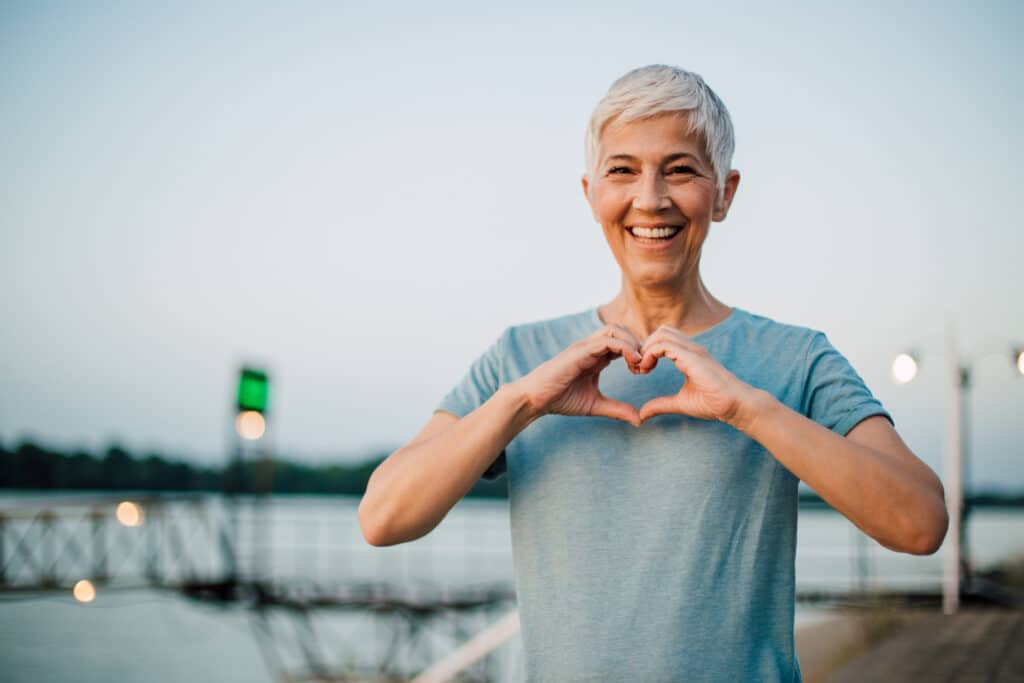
(656, 278)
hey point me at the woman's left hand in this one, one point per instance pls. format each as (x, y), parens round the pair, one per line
(711, 392)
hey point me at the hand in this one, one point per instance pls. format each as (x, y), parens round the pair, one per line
(711, 392)
(568, 383)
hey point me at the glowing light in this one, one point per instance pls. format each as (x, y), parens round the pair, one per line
(250, 425)
(1020, 361)
(130, 514)
(904, 368)
(84, 591)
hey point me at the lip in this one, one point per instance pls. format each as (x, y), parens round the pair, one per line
(650, 244)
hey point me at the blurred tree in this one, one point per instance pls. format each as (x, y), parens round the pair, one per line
(31, 466)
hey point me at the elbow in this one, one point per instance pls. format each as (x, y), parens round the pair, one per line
(388, 515)
(372, 526)
(373, 518)
(383, 521)
(381, 528)
(928, 530)
(375, 513)
(927, 542)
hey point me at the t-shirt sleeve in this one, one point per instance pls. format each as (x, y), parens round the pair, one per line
(479, 384)
(834, 394)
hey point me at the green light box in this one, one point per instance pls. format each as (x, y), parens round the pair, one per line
(253, 390)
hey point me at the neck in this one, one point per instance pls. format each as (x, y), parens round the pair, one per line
(691, 309)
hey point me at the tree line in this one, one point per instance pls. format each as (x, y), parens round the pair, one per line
(32, 466)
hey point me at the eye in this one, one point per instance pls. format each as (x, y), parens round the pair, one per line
(682, 168)
(619, 170)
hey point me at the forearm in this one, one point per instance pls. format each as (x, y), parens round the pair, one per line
(896, 500)
(414, 488)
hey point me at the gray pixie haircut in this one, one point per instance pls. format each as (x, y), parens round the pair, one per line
(659, 89)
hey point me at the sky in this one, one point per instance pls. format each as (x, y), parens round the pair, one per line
(360, 197)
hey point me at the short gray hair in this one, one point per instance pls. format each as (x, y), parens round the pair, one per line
(660, 89)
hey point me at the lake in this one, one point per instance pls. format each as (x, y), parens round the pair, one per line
(134, 633)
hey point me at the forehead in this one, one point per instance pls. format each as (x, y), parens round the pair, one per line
(650, 138)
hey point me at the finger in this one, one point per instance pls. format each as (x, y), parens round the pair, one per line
(617, 410)
(602, 345)
(625, 333)
(666, 333)
(662, 333)
(603, 362)
(667, 349)
(662, 405)
(621, 333)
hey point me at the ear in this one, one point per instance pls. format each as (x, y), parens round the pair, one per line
(585, 183)
(722, 204)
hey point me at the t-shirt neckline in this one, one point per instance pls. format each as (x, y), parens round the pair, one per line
(713, 331)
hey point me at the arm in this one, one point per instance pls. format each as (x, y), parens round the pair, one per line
(415, 487)
(870, 475)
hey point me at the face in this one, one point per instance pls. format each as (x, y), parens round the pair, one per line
(653, 192)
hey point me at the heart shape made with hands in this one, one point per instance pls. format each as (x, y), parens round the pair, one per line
(651, 393)
(707, 390)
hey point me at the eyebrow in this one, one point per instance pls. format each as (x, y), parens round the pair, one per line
(669, 159)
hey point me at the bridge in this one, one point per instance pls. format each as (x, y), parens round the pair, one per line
(213, 548)
(299, 576)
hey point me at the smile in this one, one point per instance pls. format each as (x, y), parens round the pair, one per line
(652, 234)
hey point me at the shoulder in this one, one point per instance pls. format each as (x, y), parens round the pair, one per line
(524, 346)
(769, 335)
(785, 359)
(550, 333)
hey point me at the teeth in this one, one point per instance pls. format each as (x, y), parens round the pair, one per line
(657, 233)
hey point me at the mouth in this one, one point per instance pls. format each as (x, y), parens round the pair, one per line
(655, 234)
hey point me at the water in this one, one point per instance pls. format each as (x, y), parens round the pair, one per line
(140, 634)
(135, 635)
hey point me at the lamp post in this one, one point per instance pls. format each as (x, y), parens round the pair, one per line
(958, 384)
(251, 405)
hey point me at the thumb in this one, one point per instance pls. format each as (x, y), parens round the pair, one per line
(617, 410)
(662, 405)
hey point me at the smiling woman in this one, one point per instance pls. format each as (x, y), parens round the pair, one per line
(655, 195)
(659, 544)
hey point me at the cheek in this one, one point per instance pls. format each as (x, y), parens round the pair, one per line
(608, 208)
(700, 201)
(612, 235)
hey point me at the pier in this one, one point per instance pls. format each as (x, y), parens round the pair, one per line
(973, 646)
(217, 550)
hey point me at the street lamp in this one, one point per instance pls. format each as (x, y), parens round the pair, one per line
(904, 367)
(253, 395)
(250, 425)
(252, 444)
(958, 383)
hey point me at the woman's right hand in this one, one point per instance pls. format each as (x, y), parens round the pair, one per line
(568, 383)
(415, 487)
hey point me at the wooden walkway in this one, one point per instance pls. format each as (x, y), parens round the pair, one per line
(974, 646)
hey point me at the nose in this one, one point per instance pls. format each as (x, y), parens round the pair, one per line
(651, 195)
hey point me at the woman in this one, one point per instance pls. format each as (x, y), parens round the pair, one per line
(658, 545)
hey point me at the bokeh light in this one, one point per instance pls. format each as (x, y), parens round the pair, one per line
(250, 425)
(84, 591)
(1020, 361)
(904, 368)
(130, 514)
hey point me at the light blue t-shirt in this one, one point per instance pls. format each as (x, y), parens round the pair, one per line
(665, 552)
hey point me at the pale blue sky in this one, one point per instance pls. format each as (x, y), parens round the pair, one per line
(362, 196)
